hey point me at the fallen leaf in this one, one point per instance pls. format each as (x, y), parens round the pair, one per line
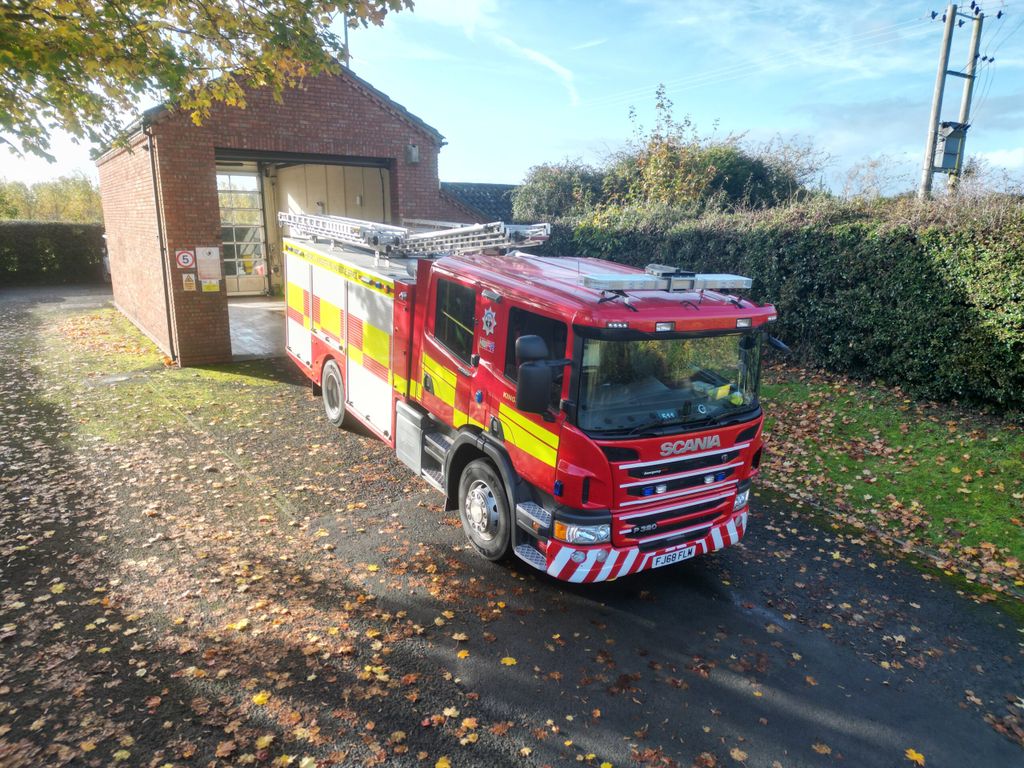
(822, 749)
(737, 754)
(264, 741)
(914, 756)
(508, 661)
(261, 698)
(442, 762)
(463, 654)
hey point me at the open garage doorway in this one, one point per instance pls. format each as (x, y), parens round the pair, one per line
(252, 189)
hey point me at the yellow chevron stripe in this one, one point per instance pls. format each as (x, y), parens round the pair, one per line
(526, 442)
(444, 380)
(399, 384)
(545, 436)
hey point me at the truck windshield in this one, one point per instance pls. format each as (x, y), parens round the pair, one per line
(637, 386)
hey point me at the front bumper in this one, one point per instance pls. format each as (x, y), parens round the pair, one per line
(607, 562)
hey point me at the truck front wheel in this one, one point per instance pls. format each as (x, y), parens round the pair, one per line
(483, 509)
(333, 392)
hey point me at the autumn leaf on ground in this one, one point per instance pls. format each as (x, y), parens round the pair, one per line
(264, 741)
(914, 756)
(443, 762)
(460, 637)
(508, 661)
(463, 654)
(373, 568)
(822, 749)
(450, 712)
(737, 754)
(261, 698)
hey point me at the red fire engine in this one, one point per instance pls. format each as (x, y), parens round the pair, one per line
(594, 419)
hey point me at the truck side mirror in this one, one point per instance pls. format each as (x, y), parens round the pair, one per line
(530, 349)
(533, 390)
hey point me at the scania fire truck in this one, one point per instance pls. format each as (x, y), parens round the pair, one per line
(594, 419)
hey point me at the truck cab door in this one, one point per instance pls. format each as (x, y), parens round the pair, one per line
(447, 360)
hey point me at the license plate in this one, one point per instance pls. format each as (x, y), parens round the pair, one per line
(674, 557)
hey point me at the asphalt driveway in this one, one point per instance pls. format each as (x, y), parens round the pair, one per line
(198, 584)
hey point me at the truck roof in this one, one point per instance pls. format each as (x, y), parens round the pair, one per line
(553, 285)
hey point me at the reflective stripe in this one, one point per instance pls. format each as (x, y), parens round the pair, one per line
(369, 280)
(608, 565)
(376, 344)
(528, 437)
(560, 560)
(400, 384)
(584, 567)
(329, 319)
(443, 380)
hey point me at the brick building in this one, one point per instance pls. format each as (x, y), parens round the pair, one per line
(179, 191)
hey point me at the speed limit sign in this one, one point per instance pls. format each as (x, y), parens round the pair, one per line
(186, 259)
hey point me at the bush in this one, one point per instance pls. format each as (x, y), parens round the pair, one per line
(50, 253)
(929, 297)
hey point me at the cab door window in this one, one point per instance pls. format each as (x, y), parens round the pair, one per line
(454, 318)
(522, 322)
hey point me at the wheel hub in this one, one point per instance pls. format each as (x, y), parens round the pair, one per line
(482, 510)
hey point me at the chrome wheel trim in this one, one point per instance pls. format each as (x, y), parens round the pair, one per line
(332, 394)
(481, 510)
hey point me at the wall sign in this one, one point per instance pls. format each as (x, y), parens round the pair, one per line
(210, 286)
(188, 281)
(186, 259)
(208, 260)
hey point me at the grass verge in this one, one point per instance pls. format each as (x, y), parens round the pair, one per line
(939, 479)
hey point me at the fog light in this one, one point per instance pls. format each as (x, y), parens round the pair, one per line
(582, 534)
(602, 555)
(741, 499)
(577, 556)
(666, 326)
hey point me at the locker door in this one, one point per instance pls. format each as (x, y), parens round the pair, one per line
(370, 318)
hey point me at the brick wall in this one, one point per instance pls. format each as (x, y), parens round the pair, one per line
(133, 245)
(331, 115)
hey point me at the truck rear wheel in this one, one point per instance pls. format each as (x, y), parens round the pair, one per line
(483, 509)
(333, 393)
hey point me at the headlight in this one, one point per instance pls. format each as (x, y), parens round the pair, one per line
(582, 534)
(741, 499)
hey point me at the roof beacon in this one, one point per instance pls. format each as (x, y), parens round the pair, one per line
(659, 277)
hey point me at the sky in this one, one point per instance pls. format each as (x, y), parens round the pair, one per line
(513, 84)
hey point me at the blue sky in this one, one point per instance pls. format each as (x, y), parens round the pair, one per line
(515, 84)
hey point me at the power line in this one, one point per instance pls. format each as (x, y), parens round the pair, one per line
(867, 39)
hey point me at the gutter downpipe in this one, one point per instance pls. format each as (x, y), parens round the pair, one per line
(148, 130)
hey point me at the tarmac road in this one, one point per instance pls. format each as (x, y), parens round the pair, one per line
(802, 646)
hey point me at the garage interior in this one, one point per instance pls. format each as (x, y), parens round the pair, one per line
(250, 194)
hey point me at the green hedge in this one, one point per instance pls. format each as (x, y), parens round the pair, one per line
(50, 253)
(928, 298)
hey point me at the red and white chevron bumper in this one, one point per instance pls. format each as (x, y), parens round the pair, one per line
(594, 564)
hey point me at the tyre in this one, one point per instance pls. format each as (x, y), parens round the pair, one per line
(483, 509)
(333, 393)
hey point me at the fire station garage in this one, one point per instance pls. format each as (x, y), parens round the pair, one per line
(191, 211)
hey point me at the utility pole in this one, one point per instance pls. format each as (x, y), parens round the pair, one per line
(927, 169)
(965, 101)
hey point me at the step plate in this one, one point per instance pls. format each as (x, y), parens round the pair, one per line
(530, 554)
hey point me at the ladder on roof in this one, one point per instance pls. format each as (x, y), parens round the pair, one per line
(405, 242)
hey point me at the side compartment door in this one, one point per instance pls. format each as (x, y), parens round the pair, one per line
(298, 337)
(369, 326)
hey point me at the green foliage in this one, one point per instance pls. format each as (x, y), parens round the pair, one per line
(68, 198)
(672, 165)
(554, 190)
(927, 297)
(79, 65)
(50, 253)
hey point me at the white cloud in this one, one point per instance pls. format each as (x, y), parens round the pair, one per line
(470, 15)
(1011, 159)
(589, 44)
(564, 74)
